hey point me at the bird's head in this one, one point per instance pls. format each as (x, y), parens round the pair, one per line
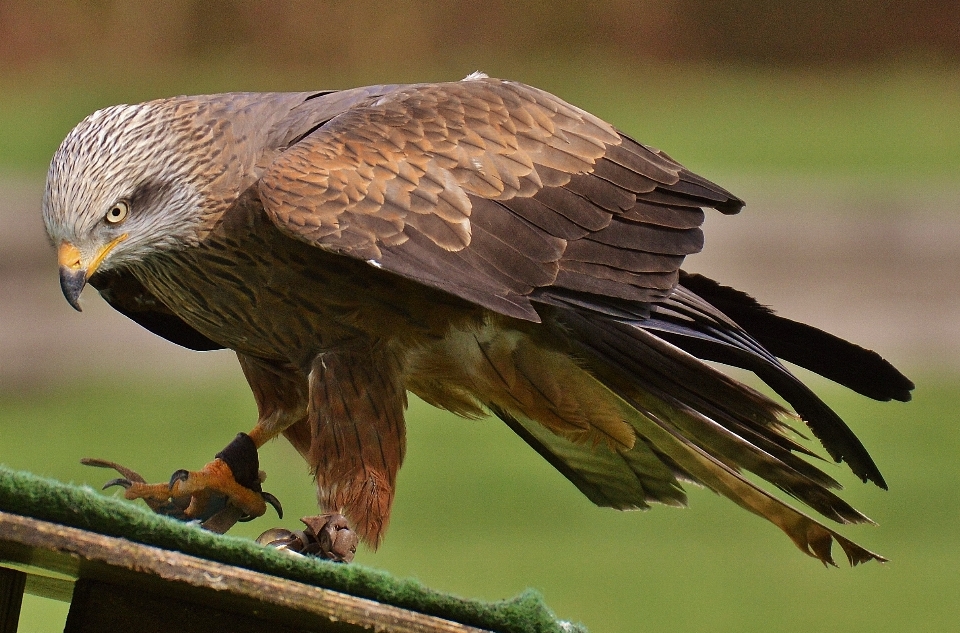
(129, 182)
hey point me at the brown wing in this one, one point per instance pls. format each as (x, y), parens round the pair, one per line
(493, 191)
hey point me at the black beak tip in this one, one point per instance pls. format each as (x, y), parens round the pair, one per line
(72, 283)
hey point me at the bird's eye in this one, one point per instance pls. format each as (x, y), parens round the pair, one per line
(118, 212)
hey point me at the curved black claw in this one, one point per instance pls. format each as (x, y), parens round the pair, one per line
(179, 475)
(285, 540)
(273, 501)
(119, 481)
(173, 507)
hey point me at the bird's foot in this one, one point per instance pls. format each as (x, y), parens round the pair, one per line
(326, 536)
(220, 494)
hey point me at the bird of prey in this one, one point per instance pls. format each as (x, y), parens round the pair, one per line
(481, 244)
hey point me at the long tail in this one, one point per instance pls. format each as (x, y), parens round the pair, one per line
(850, 365)
(694, 423)
(717, 323)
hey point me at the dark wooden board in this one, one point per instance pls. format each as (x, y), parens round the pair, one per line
(128, 579)
(12, 583)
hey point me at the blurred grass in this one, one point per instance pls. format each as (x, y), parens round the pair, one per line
(884, 124)
(479, 514)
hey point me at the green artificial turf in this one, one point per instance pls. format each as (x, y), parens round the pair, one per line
(80, 507)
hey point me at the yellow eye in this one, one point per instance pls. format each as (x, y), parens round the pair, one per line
(118, 212)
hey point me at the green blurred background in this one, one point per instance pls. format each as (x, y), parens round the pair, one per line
(837, 121)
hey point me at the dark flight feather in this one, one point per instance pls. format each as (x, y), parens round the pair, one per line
(704, 332)
(850, 365)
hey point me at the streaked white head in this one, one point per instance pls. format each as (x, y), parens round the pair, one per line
(129, 182)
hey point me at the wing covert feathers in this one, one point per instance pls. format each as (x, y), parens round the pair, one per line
(491, 190)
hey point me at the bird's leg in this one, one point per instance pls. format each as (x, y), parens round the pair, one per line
(228, 489)
(357, 438)
(353, 439)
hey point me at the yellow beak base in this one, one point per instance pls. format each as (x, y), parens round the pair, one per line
(73, 275)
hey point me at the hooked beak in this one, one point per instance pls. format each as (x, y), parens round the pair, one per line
(73, 274)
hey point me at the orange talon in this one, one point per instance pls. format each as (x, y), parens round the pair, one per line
(217, 477)
(224, 491)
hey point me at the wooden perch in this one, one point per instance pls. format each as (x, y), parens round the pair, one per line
(116, 586)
